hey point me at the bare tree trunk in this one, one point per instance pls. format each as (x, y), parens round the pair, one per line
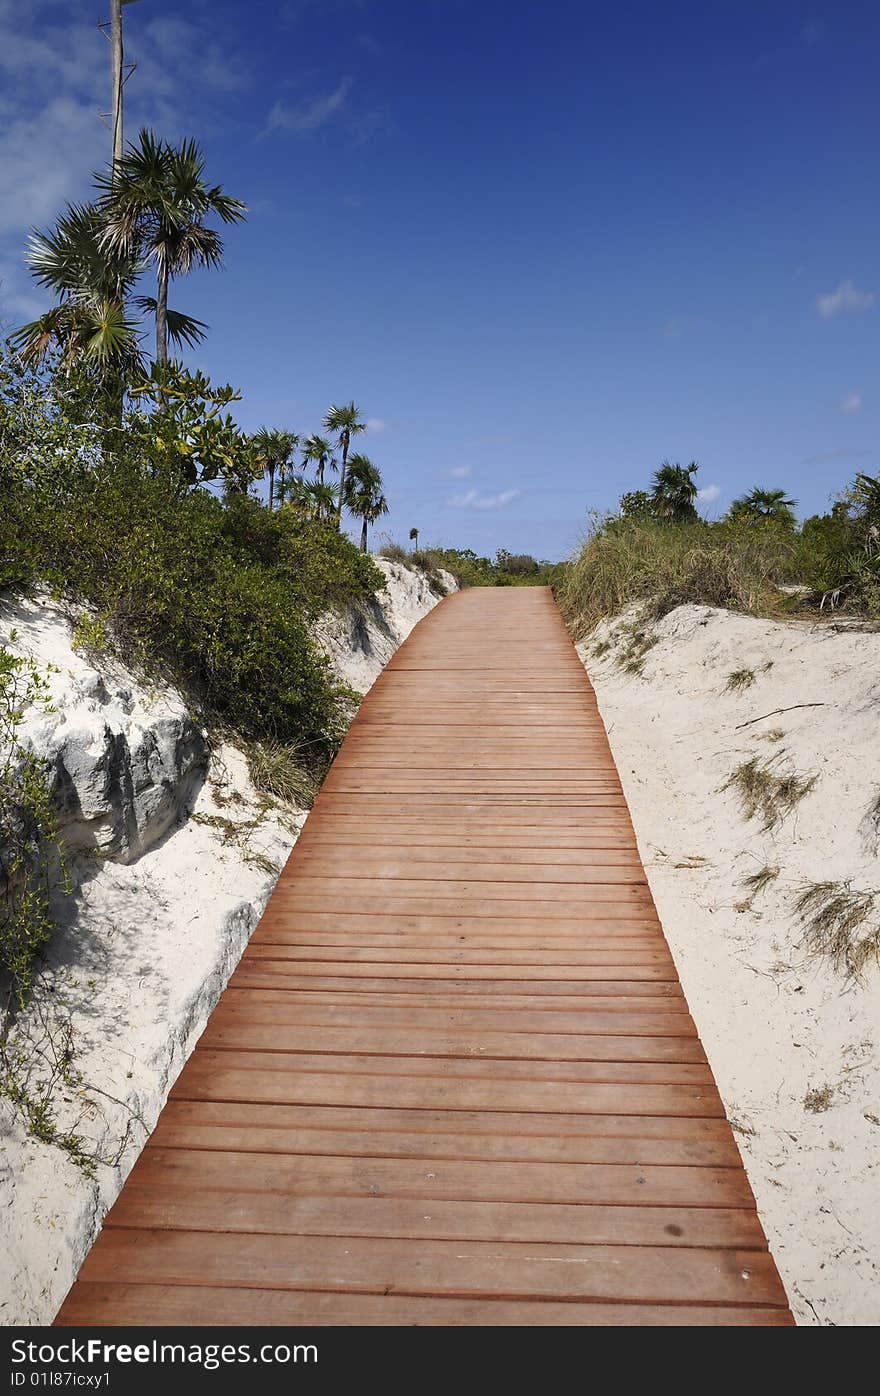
(116, 79)
(364, 536)
(162, 315)
(271, 486)
(342, 482)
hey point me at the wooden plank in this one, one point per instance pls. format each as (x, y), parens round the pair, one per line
(203, 1081)
(121, 1305)
(177, 1207)
(522, 1124)
(291, 1175)
(647, 1274)
(598, 1019)
(382, 1040)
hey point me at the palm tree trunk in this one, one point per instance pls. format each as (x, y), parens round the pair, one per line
(271, 486)
(116, 79)
(364, 536)
(162, 315)
(342, 482)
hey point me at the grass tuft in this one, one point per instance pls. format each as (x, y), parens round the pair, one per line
(766, 793)
(841, 924)
(283, 773)
(739, 679)
(819, 1099)
(759, 881)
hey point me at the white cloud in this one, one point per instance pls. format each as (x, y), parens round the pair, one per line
(45, 159)
(709, 494)
(474, 500)
(852, 403)
(460, 472)
(847, 297)
(376, 424)
(310, 115)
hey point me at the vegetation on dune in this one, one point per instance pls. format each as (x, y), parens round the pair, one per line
(626, 560)
(469, 570)
(656, 551)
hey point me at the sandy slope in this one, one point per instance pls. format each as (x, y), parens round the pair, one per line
(777, 1024)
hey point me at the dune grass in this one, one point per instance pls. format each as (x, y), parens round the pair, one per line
(842, 924)
(766, 793)
(665, 565)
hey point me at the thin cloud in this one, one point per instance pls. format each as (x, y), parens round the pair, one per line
(311, 116)
(460, 472)
(474, 500)
(852, 403)
(709, 494)
(848, 297)
(811, 32)
(838, 453)
(376, 424)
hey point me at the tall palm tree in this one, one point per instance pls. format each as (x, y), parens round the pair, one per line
(317, 451)
(363, 493)
(673, 491)
(414, 537)
(90, 324)
(274, 449)
(760, 504)
(154, 202)
(345, 423)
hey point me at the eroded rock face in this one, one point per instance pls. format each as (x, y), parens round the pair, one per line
(125, 762)
(118, 789)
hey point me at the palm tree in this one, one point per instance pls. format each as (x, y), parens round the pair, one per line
(414, 537)
(759, 505)
(363, 493)
(89, 325)
(321, 500)
(274, 449)
(154, 202)
(673, 491)
(345, 423)
(318, 451)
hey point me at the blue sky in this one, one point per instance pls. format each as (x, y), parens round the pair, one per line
(542, 246)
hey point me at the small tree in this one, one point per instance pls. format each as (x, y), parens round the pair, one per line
(274, 449)
(636, 504)
(414, 537)
(673, 492)
(762, 506)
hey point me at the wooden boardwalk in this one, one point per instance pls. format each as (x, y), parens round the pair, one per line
(454, 1079)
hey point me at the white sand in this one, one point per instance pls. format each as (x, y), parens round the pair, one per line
(776, 1023)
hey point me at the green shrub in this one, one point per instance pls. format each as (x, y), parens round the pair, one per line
(216, 595)
(28, 831)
